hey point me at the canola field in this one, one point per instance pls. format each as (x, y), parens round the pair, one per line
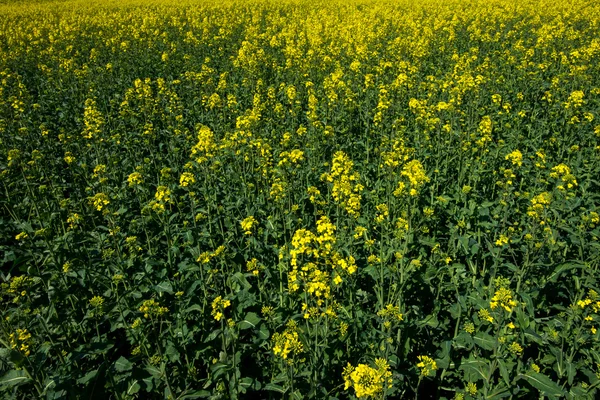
(300, 199)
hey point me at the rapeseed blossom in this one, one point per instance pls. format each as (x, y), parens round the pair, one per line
(368, 382)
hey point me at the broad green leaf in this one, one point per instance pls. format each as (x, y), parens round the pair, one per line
(544, 384)
(194, 307)
(123, 364)
(498, 392)
(133, 387)
(198, 394)
(87, 377)
(172, 353)
(251, 320)
(484, 340)
(474, 369)
(13, 378)
(164, 287)
(275, 388)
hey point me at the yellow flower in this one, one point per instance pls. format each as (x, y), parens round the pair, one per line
(99, 201)
(503, 298)
(247, 224)
(97, 301)
(485, 315)
(471, 388)
(22, 341)
(22, 236)
(516, 158)
(135, 179)
(218, 306)
(391, 312)
(502, 240)
(368, 382)
(163, 194)
(287, 344)
(186, 179)
(427, 365)
(151, 308)
(469, 327)
(69, 159)
(515, 348)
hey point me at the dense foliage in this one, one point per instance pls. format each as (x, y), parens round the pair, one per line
(299, 199)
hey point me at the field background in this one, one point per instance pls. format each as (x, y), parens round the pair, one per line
(299, 199)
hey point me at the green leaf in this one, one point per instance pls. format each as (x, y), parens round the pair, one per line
(504, 367)
(152, 370)
(484, 340)
(199, 394)
(263, 333)
(133, 387)
(194, 307)
(498, 392)
(544, 384)
(164, 287)
(275, 388)
(474, 369)
(87, 377)
(563, 268)
(251, 320)
(571, 371)
(13, 378)
(123, 364)
(172, 353)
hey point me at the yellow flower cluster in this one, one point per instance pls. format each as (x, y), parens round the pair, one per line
(538, 205)
(563, 172)
(471, 388)
(290, 157)
(415, 173)
(516, 158)
(287, 344)
(97, 301)
(346, 189)
(22, 341)
(397, 156)
(248, 224)
(391, 312)
(135, 179)
(218, 307)
(575, 100)
(485, 315)
(317, 249)
(186, 179)
(18, 286)
(503, 298)
(382, 213)
(426, 365)
(99, 170)
(163, 194)
(92, 119)
(206, 256)
(515, 348)
(502, 240)
(368, 382)
(485, 128)
(73, 220)
(69, 158)
(254, 266)
(151, 308)
(99, 201)
(206, 146)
